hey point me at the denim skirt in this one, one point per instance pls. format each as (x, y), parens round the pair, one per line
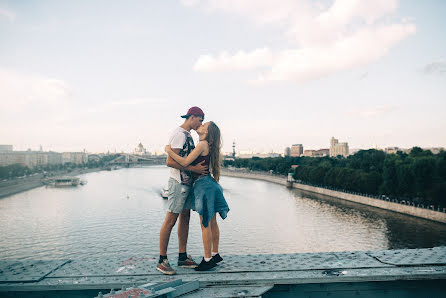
(209, 199)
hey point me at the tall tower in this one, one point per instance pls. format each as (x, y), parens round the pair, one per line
(333, 147)
(233, 149)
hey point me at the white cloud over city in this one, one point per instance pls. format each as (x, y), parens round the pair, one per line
(21, 90)
(270, 73)
(345, 35)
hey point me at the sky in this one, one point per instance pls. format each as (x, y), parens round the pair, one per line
(106, 75)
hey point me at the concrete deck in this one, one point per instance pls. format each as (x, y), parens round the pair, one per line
(241, 275)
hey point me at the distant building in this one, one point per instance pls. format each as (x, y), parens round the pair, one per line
(435, 150)
(76, 158)
(316, 153)
(287, 151)
(93, 158)
(309, 153)
(322, 152)
(390, 150)
(30, 158)
(259, 155)
(296, 150)
(140, 150)
(5, 148)
(337, 148)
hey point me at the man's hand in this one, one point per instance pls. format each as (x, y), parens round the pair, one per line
(199, 168)
(167, 149)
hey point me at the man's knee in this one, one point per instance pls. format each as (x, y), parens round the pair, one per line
(171, 219)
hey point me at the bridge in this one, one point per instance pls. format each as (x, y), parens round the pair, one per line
(127, 160)
(384, 273)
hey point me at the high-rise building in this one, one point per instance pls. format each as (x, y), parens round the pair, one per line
(296, 150)
(287, 151)
(337, 148)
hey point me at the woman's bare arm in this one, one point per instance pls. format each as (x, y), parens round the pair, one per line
(190, 158)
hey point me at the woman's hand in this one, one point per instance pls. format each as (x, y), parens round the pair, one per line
(167, 149)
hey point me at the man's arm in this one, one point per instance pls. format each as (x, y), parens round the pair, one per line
(199, 168)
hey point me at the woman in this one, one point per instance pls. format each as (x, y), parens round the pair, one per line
(209, 197)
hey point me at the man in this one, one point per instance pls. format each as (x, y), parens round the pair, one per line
(180, 194)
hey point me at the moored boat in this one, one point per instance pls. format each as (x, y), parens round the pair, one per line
(164, 192)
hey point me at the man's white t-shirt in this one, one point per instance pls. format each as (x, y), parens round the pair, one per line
(177, 140)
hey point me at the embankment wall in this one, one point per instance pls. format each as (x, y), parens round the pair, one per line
(396, 207)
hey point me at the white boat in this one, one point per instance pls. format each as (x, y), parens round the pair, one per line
(164, 192)
(63, 181)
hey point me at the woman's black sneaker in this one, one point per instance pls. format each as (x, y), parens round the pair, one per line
(216, 259)
(205, 266)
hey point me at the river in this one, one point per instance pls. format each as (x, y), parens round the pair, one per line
(119, 213)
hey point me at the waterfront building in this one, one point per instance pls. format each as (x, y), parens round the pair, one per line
(54, 158)
(30, 158)
(337, 148)
(5, 148)
(296, 150)
(76, 158)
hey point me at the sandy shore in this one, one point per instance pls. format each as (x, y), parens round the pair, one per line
(14, 186)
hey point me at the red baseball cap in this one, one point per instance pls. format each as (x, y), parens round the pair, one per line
(196, 111)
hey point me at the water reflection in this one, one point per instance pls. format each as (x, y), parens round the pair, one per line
(119, 213)
(401, 231)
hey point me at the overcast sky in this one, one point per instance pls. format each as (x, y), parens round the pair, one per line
(106, 75)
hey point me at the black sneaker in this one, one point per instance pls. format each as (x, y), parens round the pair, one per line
(205, 266)
(217, 259)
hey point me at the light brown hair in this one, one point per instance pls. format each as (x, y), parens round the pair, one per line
(214, 140)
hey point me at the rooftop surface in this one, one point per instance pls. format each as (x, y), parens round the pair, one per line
(249, 273)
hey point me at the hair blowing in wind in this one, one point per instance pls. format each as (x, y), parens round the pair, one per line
(214, 140)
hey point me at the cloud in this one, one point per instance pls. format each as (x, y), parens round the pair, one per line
(437, 67)
(9, 15)
(138, 101)
(189, 2)
(373, 112)
(20, 90)
(239, 61)
(348, 34)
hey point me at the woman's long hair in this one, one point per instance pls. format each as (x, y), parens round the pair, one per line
(214, 140)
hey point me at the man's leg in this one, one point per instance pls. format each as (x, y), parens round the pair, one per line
(163, 264)
(166, 229)
(183, 230)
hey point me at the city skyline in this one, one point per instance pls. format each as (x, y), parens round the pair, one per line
(103, 77)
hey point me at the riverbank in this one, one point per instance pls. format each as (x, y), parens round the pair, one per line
(382, 204)
(18, 185)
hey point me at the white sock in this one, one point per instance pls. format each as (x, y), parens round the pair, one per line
(214, 253)
(207, 259)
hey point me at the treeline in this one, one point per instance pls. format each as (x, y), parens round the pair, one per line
(17, 170)
(419, 176)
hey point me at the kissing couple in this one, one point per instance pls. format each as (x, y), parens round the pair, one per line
(193, 184)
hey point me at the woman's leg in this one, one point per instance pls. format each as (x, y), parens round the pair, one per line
(206, 233)
(215, 234)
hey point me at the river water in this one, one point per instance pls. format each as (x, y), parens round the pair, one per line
(119, 213)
